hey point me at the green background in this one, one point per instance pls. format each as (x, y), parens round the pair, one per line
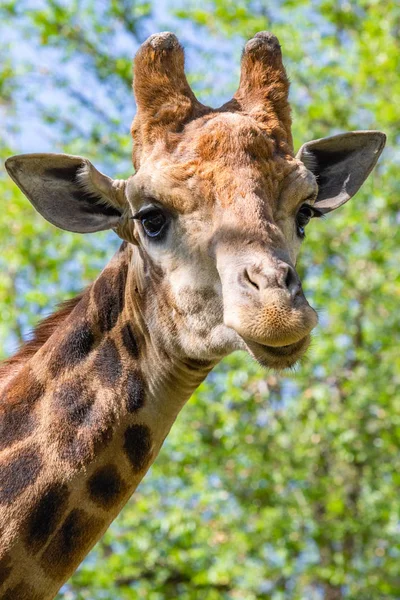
(281, 487)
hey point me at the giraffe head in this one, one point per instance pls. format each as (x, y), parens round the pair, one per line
(216, 210)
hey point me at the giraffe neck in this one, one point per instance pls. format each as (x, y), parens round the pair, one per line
(82, 421)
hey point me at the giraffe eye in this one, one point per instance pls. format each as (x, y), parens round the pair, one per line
(303, 217)
(154, 222)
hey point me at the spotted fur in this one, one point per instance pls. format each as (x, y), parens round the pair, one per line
(108, 364)
(18, 473)
(17, 416)
(106, 486)
(137, 446)
(74, 538)
(46, 515)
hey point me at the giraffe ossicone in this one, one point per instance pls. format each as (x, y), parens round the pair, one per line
(212, 222)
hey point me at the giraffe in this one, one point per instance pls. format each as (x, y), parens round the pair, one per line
(212, 222)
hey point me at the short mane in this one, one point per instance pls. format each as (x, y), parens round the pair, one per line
(40, 335)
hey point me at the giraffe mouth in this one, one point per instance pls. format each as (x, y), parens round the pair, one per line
(278, 357)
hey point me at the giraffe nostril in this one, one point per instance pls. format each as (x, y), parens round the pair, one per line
(292, 282)
(290, 278)
(250, 280)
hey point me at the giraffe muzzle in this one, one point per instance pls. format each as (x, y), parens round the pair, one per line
(265, 304)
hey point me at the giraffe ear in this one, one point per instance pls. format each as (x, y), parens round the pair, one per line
(68, 191)
(341, 164)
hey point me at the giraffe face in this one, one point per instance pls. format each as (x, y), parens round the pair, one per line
(216, 220)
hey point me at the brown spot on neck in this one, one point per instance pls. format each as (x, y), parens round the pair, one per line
(138, 446)
(74, 348)
(70, 544)
(135, 392)
(106, 486)
(18, 473)
(109, 295)
(46, 515)
(17, 419)
(129, 340)
(108, 364)
(73, 403)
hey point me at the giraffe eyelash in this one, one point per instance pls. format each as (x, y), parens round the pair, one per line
(316, 212)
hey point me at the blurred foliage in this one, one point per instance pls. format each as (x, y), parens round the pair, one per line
(267, 487)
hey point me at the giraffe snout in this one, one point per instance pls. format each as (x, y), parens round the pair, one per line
(264, 302)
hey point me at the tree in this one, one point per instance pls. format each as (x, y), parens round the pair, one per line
(281, 487)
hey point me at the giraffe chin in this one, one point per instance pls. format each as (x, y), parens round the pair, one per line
(278, 357)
